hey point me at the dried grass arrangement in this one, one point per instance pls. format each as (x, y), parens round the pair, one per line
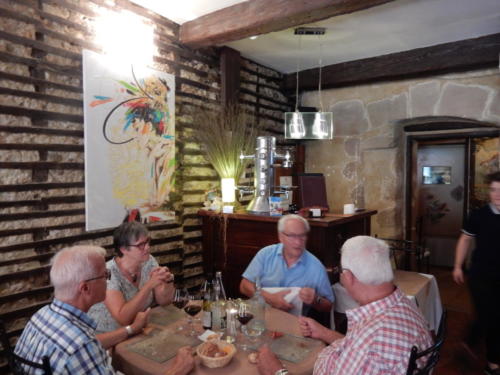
(223, 135)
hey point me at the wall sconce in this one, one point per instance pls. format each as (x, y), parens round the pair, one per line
(309, 125)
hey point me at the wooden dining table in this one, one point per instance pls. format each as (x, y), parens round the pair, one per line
(132, 363)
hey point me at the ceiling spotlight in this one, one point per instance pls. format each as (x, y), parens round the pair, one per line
(253, 37)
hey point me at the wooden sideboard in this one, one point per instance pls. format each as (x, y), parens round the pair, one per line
(230, 241)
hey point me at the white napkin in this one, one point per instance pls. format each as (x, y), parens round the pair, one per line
(204, 336)
(292, 297)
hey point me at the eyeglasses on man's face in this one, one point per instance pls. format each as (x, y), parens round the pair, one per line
(107, 276)
(141, 245)
(294, 236)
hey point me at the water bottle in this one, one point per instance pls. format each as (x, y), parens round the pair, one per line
(216, 309)
(258, 305)
(219, 304)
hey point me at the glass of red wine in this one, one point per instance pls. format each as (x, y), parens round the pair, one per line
(244, 316)
(180, 301)
(192, 308)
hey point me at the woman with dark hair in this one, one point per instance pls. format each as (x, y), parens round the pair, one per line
(136, 280)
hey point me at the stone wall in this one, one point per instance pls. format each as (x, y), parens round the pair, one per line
(364, 163)
(41, 142)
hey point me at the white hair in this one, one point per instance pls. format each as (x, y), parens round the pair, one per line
(368, 258)
(284, 219)
(72, 265)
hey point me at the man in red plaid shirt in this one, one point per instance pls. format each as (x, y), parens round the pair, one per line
(381, 331)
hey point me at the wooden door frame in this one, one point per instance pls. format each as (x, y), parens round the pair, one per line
(412, 143)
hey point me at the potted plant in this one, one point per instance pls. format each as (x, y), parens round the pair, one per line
(223, 135)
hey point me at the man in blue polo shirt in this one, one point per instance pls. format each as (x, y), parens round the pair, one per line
(289, 264)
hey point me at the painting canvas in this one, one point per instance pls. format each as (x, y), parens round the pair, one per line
(129, 142)
(486, 160)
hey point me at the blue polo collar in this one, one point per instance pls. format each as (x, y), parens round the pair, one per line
(302, 259)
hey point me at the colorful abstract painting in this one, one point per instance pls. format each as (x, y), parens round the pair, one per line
(129, 143)
(486, 160)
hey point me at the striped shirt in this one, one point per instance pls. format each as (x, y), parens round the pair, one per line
(378, 341)
(67, 335)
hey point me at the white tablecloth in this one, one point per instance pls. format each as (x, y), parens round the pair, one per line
(420, 288)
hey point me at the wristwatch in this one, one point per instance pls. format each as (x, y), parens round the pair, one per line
(282, 371)
(129, 330)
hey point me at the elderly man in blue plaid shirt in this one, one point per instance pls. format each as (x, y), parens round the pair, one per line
(63, 330)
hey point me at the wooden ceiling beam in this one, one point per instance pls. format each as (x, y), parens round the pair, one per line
(257, 17)
(458, 56)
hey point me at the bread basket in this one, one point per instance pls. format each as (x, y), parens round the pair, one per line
(215, 362)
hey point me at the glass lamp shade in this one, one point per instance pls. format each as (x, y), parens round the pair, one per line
(308, 125)
(228, 190)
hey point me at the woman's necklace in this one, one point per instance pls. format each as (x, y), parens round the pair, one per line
(133, 275)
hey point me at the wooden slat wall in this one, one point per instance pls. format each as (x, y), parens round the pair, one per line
(41, 142)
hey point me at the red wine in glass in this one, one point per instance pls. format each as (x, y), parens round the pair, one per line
(245, 318)
(192, 309)
(180, 304)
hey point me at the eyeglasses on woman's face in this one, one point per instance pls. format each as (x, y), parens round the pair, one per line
(141, 245)
(107, 276)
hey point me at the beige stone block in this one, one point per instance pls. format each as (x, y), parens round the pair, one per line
(462, 100)
(196, 233)
(14, 176)
(377, 142)
(200, 185)
(386, 111)
(199, 171)
(350, 170)
(494, 104)
(193, 198)
(14, 120)
(65, 175)
(349, 118)
(192, 222)
(423, 98)
(351, 146)
(193, 248)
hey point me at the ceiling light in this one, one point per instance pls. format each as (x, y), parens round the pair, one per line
(253, 37)
(309, 125)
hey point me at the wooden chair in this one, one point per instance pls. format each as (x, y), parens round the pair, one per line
(16, 362)
(431, 353)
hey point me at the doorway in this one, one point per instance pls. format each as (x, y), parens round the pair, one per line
(445, 179)
(440, 188)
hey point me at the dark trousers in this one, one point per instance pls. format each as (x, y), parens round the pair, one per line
(486, 299)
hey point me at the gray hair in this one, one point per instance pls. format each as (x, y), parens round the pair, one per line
(72, 265)
(284, 219)
(126, 234)
(368, 259)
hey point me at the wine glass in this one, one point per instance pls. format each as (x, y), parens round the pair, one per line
(193, 307)
(244, 316)
(180, 301)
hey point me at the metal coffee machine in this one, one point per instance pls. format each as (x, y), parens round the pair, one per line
(264, 159)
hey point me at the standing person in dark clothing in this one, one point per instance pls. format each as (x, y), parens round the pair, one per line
(483, 225)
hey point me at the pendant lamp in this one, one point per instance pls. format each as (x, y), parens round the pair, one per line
(309, 125)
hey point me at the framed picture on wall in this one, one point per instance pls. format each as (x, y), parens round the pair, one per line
(485, 160)
(129, 123)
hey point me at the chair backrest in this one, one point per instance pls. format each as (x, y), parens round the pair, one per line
(16, 362)
(407, 249)
(431, 353)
